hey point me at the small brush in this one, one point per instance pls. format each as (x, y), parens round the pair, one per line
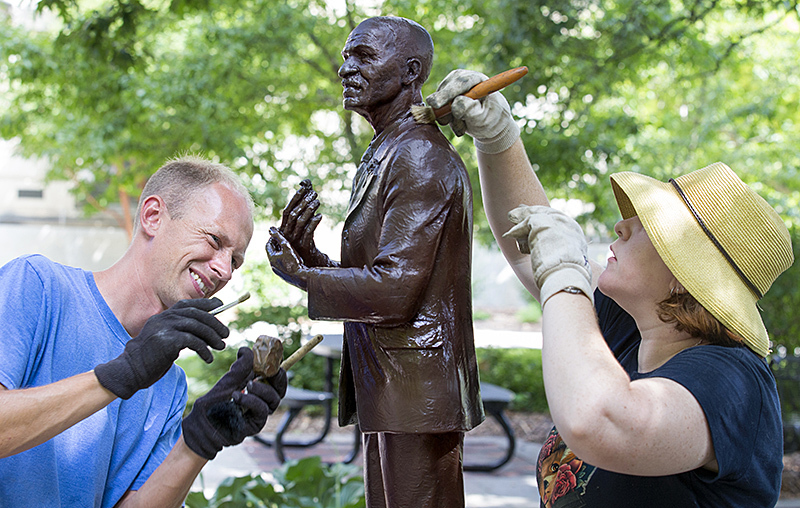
(427, 114)
(227, 306)
(300, 353)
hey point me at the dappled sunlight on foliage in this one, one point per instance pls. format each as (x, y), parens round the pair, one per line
(656, 87)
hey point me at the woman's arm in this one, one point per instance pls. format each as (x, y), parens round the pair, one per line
(507, 180)
(645, 427)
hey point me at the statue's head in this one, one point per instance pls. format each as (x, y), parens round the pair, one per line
(386, 59)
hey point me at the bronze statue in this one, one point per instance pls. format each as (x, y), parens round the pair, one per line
(409, 376)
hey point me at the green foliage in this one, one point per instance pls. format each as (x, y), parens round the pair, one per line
(271, 300)
(121, 88)
(656, 87)
(246, 492)
(519, 370)
(308, 483)
(531, 313)
(480, 315)
(781, 303)
(200, 376)
(305, 483)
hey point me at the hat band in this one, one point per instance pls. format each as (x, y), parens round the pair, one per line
(716, 243)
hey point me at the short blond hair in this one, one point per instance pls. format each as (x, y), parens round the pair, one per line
(180, 178)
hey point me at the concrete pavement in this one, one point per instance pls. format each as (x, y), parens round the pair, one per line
(511, 486)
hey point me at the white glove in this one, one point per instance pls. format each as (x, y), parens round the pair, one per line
(487, 120)
(558, 249)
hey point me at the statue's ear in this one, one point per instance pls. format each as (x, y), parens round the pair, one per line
(413, 67)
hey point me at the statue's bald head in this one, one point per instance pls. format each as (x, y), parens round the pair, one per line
(411, 40)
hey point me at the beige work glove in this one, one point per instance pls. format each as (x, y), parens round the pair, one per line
(487, 120)
(558, 249)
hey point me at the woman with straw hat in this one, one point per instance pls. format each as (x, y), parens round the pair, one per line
(654, 367)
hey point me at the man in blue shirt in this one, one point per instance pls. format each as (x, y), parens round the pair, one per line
(92, 402)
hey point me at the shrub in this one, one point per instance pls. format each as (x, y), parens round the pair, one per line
(519, 370)
(304, 483)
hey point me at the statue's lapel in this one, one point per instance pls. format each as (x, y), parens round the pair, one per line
(360, 188)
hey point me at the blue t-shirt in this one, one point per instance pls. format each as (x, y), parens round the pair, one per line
(55, 324)
(737, 392)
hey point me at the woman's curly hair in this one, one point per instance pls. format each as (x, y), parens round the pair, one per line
(686, 313)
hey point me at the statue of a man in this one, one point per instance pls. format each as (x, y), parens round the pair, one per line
(409, 376)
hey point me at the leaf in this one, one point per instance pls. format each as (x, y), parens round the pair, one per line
(656, 87)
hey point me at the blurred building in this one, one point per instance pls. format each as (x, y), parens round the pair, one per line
(43, 217)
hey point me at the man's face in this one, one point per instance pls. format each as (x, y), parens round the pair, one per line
(197, 254)
(372, 72)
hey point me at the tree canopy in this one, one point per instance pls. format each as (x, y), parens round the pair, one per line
(655, 86)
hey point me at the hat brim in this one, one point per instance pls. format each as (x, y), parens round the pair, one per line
(691, 256)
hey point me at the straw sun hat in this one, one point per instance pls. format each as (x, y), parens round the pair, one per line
(720, 239)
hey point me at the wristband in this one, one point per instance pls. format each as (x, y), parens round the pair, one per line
(573, 290)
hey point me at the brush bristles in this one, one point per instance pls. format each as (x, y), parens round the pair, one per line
(239, 300)
(423, 114)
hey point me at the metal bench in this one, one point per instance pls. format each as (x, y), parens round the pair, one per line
(295, 400)
(495, 400)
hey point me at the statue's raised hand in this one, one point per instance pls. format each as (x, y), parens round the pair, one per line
(300, 220)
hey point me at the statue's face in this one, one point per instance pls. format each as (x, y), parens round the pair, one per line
(372, 70)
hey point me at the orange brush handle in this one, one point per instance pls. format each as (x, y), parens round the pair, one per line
(491, 85)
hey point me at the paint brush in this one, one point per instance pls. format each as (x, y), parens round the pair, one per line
(427, 114)
(227, 306)
(301, 352)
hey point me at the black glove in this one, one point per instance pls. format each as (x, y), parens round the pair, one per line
(226, 415)
(149, 355)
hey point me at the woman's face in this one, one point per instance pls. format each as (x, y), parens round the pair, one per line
(635, 273)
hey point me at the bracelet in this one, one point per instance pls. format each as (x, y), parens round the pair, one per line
(573, 290)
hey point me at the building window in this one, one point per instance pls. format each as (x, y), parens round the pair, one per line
(30, 193)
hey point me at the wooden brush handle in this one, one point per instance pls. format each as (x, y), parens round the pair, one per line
(300, 353)
(484, 88)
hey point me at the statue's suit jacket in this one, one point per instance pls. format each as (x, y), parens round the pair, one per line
(403, 289)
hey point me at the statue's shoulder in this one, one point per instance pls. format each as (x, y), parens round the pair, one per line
(424, 139)
(427, 131)
(422, 152)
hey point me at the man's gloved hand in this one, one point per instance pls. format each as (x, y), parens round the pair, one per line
(226, 415)
(487, 120)
(149, 355)
(557, 246)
